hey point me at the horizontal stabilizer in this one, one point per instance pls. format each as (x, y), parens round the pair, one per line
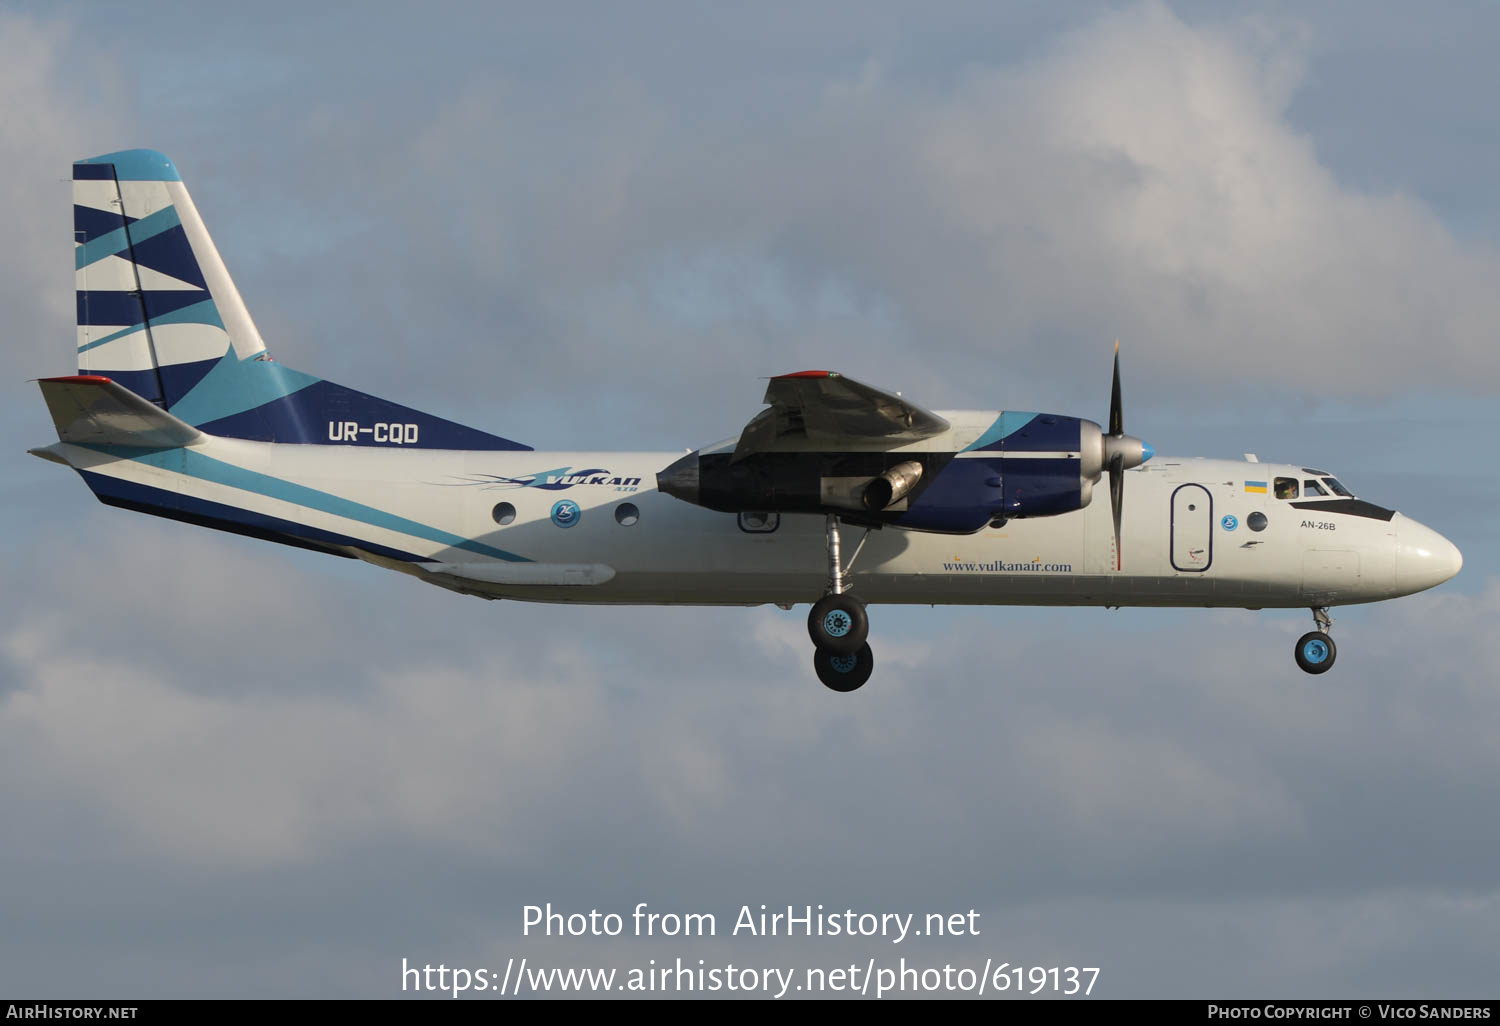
(93, 410)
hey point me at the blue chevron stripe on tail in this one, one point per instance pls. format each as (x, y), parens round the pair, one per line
(159, 314)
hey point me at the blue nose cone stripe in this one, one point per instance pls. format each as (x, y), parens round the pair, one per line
(1146, 452)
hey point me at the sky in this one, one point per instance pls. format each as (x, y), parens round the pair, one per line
(233, 769)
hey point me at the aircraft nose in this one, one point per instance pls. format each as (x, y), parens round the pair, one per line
(1424, 558)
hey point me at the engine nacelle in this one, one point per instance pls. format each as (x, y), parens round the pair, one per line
(892, 486)
(1024, 465)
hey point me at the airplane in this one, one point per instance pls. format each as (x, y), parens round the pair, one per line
(179, 411)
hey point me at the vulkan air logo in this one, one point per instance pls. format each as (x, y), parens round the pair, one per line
(554, 480)
(566, 477)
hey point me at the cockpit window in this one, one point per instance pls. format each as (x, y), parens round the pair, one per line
(1286, 488)
(1311, 487)
(1336, 488)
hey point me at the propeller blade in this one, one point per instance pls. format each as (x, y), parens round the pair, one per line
(1117, 498)
(1116, 414)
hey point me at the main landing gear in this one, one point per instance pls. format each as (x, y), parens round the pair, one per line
(838, 625)
(1315, 650)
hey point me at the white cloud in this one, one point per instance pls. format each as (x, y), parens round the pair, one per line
(1144, 181)
(979, 236)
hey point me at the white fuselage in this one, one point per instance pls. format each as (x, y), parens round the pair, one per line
(1186, 538)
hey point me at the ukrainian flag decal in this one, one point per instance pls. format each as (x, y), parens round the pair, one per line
(1255, 486)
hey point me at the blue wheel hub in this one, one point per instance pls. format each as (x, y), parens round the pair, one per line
(844, 664)
(1315, 650)
(837, 624)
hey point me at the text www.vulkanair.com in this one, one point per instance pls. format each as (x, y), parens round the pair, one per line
(1002, 567)
(519, 978)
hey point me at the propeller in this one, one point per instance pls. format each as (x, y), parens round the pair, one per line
(1117, 446)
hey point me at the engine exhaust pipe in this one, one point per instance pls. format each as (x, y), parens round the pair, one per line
(892, 486)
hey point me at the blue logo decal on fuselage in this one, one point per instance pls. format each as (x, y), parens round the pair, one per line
(1230, 522)
(565, 513)
(557, 479)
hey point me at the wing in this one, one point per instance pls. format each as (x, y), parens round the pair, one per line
(825, 410)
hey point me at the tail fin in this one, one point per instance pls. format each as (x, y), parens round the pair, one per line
(159, 314)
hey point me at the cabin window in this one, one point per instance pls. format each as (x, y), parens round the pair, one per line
(627, 514)
(1338, 489)
(759, 523)
(504, 513)
(1311, 487)
(1286, 488)
(1256, 521)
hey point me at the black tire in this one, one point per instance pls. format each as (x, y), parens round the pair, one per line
(844, 673)
(838, 623)
(1316, 652)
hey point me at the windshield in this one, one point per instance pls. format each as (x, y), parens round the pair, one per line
(1336, 488)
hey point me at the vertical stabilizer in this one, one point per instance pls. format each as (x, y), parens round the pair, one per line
(159, 314)
(156, 307)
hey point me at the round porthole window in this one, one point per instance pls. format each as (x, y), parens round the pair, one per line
(626, 514)
(1256, 521)
(504, 513)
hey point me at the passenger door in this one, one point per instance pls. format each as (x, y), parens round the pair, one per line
(1192, 544)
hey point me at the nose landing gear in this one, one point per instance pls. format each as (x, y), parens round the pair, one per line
(1315, 650)
(838, 625)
